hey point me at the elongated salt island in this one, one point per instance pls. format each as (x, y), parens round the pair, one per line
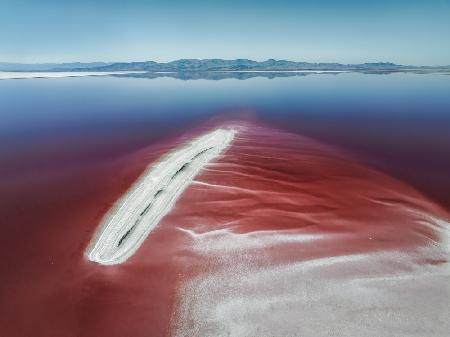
(139, 211)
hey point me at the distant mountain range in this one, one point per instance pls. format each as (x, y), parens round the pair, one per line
(195, 65)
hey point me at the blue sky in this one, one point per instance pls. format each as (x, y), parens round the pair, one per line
(347, 31)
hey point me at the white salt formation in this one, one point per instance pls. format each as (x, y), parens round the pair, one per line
(382, 294)
(11, 75)
(140, 210)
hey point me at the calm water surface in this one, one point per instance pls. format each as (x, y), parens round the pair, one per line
(398, 123)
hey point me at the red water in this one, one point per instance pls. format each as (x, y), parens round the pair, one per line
(268, 183)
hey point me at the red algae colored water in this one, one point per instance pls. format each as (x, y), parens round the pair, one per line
(281, 236)
(52, 290)
(294, 239)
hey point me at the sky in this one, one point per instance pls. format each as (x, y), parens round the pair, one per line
(414, 32)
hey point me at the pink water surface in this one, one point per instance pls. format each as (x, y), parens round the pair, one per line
(281, 236)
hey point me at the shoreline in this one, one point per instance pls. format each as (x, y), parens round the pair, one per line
(17, 75)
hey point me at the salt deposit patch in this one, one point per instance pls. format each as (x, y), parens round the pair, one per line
(386, 293)
(10, 75)
(225, 240)
(140, 210)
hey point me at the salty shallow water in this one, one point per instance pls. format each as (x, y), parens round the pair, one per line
(344, 172)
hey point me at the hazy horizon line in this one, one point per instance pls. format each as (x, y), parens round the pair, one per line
(218, 58)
